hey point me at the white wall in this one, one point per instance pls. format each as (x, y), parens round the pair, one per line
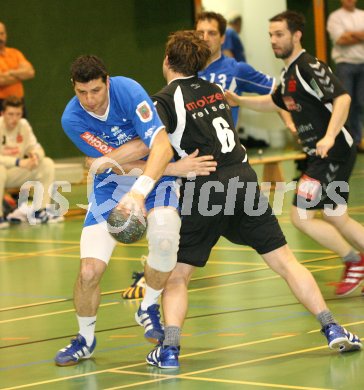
(259, 54)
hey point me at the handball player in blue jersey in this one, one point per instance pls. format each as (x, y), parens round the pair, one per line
(232, 75)
(114, 116)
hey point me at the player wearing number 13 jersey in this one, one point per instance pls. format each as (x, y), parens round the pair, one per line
(235, 76)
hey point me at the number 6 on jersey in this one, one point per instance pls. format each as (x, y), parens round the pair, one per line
(225, 134)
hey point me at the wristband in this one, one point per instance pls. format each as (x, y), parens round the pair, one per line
(144, 185)
(17, 161)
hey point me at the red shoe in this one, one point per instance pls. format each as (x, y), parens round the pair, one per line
(352, 277)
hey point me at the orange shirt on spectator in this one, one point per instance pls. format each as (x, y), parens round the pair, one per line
(10, 59)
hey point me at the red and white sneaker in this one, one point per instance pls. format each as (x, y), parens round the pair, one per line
(352, 277)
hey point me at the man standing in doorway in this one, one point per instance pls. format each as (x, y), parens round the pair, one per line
(346, 29)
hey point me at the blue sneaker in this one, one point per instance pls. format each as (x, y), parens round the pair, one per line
(150, 319)
(164, 356)
(75, 352)
(340, 339)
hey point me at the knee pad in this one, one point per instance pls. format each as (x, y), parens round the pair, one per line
(163, 239)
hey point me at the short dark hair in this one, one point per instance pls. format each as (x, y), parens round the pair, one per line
(12, 101)
(187, 52)
(295, 20)
(88, 67)
(221, 21)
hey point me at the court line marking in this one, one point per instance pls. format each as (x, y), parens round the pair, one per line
(257, 384)
(189, 290)
(263, 267)
(144, 245)
(50, 314)
(54, 301)
(238, 262)
(37, 253)
(189, 355)
(252, 280)
(143, 363)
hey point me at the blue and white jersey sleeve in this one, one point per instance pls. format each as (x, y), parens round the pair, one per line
(79, 131)
(250, 80)
(139, 108)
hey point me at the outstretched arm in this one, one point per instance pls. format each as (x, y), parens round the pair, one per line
(257, 103)
(191, 164)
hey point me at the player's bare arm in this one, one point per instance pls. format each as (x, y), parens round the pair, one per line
(340, 111)
(192, 164)
(257, 103)
(286, 117)
(129, 152)
(160, 155)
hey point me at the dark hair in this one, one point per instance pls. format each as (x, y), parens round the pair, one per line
(187, 52)
(295, 20)
(221, 21)
(12, 101)
(88, 67)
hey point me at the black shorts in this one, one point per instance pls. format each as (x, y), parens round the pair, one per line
(242, 215)
(324, 183)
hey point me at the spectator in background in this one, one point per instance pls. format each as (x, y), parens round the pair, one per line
(346, 29)
(14, 69)
(233, 46)
(21, 159)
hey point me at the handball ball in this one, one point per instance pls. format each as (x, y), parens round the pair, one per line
(126, 228)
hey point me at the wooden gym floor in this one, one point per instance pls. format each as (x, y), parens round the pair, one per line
(244, 329)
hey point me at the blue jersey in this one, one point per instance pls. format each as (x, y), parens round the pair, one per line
(234, 44)
(238, 77)
(131, 115)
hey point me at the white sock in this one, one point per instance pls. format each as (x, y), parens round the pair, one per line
(151, 297)
(87, 328)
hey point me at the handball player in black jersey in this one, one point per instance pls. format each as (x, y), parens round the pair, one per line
(319, 107)
(225, 203)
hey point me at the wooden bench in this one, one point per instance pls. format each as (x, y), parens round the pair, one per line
(272, 171)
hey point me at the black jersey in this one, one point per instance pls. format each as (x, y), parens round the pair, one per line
(196, 115)
(307, 90)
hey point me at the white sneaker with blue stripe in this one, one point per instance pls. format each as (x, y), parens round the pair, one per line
(75, 352)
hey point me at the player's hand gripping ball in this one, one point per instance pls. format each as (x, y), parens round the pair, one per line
(126, 228)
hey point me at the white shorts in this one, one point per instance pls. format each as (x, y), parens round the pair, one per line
(96, 242)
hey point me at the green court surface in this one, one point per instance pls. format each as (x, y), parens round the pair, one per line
(244, 329)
